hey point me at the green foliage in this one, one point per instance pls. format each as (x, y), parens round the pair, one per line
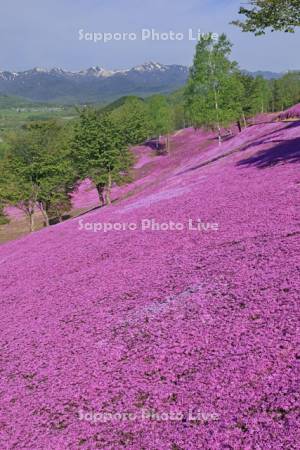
(3, 149)
(99, 151)
(60, 204)
(214, 90)
(3, 217)
(14, 116)
(278, 15)
(176, 102)
(262, 95)
(162, 119)
(119, 102)
(15, 187)
(256, 95)
(9, 101)
(37, 168)
(285, 92)
(133, 121)
(57, 177)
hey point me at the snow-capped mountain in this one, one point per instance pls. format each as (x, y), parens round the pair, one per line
(150, 66)
(94, 84)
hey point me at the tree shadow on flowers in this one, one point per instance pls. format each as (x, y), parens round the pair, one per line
(285, 152)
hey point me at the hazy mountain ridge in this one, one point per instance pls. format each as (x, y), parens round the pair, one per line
(92, 85)
(97, 84)
(267, 74)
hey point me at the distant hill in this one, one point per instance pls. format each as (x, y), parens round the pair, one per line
(118, 103)
(8, 101)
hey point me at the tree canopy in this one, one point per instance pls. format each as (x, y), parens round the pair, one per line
(214, 90)
(99, 151)
(37, 170)
(133, 121)
(276, 15)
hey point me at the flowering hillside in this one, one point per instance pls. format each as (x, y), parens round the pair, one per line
(168, 320)
(291, 113)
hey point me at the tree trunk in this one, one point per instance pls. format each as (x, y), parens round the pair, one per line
(45, 214)
(108, 191)
(244, 120)
(219, 135)
(157, 143)
(218, 118)
(46, 217)
(100, 189)
(43, 208)
(168, 143)
(31, 221)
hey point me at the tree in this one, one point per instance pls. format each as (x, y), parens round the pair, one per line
(37, 168)
(261, 96)
(278, 15)
(132, 120)
(256, 95)
(56, 177)
(3, 149)
(214, 90)
(162, 118)
(99, 152)
(60, 204)
(176, 102)
(285, 91)
(3, 217)
(19, 190)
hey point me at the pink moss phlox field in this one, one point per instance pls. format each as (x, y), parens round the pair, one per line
(170, 321)
(14, 213)
(291, 113)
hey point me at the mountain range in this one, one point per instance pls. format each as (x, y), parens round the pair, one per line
(95, 84)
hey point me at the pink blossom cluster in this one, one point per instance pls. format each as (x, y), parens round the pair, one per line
(177, 322)
(291, 113)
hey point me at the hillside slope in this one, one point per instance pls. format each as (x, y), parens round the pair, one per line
(202, 323)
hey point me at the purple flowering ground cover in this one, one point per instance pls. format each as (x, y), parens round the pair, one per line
(204, 324)
(291, 113)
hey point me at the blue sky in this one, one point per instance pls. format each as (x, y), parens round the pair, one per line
(45, 33)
